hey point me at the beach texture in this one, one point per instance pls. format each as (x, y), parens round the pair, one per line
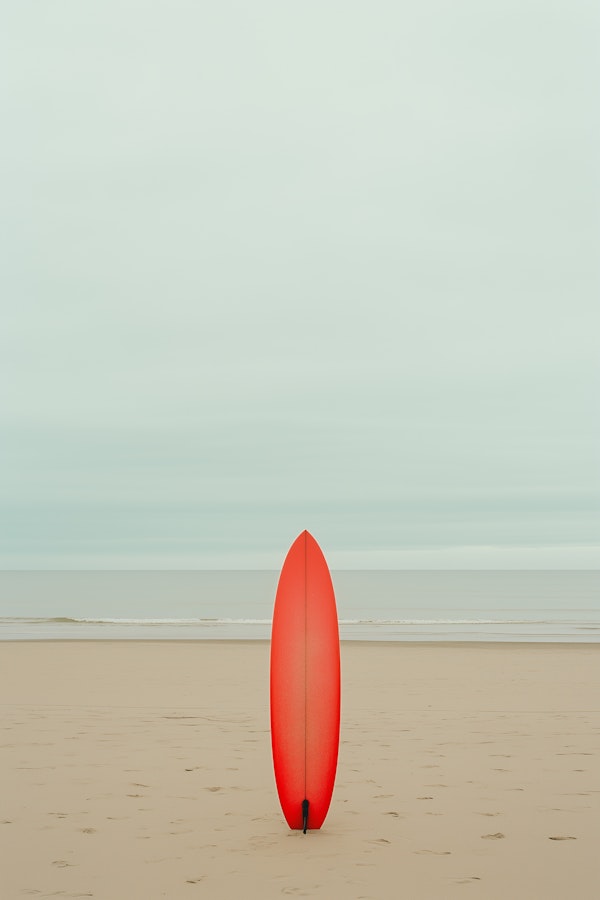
(143, 770)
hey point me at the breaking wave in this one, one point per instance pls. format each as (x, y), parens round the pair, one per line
(85, 620)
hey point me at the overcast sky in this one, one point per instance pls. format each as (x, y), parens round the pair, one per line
(271, 266)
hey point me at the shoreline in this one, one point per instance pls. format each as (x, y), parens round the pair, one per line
(358, 642)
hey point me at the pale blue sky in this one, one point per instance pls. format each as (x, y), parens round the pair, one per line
(273, 266)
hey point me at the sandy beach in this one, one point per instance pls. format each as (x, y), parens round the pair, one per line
(143, 770)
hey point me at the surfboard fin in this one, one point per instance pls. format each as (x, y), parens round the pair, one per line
(304, 816)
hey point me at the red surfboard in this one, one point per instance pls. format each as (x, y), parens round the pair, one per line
(305, 685)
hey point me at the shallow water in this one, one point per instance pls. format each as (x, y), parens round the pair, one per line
(372, 605)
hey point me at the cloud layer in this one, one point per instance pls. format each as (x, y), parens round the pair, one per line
(327, 267)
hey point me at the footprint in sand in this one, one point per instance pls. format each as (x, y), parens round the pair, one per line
(61, 863)
(88, 830)
(497, 836)
(296, 891)
(213, 789)
(467, 879)
(434, 852)
(562, 837)
(64, 894)
(195, 880)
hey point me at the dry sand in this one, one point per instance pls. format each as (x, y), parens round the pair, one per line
(143, 770)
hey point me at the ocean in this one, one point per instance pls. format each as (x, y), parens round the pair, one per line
(372, 605)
